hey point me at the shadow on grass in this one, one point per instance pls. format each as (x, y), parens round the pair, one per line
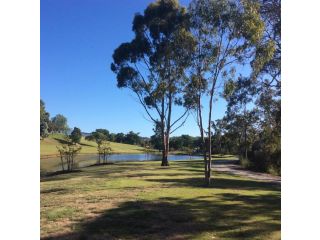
(218, 183)
(175, 218)
(53, 190)
(225, 161)
(62, 141)
(100, 170)
(228, 215)
(223, 156)
(60, 175)
(45, 175)
(185, 174)
(100, 164)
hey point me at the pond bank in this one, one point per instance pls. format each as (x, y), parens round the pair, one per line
(53, 164)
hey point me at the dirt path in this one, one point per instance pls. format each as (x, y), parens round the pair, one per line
(232, 168)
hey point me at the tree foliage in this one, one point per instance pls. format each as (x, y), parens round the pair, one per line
(153, 65)
(226, 34)
(44, 129)
(59, 124)
(132, 138)
(68, 153)
(76, 135)
(44, 120)
(104, 150)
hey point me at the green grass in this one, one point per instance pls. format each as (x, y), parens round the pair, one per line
(48, 146)
(61, 212)
(141, 200)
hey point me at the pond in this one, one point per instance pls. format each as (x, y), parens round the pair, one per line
(52, 164)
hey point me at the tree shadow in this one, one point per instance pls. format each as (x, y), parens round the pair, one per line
(223, 156)
(63, 141)
(225, 161)
(92, 171)
(175, 218)
(219, 183)
(60, 175)
(53, 190)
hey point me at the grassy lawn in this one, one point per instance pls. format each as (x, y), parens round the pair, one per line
(48, 146)
(141, 200)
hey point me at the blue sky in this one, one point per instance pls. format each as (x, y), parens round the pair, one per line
(77, 41)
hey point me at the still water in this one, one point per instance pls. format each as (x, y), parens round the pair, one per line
(82, 160)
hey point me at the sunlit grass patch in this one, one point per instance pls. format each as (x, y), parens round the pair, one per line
(61, 212)
(48, 146)
(141, 200)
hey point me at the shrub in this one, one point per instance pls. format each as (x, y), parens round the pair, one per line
(67, 155)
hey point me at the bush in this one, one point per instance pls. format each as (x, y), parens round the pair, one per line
(104, 150)
(76, 135)
(67, 155)
(265, 162)
(244, 162)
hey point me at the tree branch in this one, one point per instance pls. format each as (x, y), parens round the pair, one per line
(144, 81)
(180, 124)
(144, 106)
(179, 118)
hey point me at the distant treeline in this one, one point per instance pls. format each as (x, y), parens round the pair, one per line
(178, 143)
(58, 123)
(128, 138)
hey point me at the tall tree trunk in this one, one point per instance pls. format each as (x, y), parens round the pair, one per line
(165, 151)
(204, 146)
(165, 161)
(245, 133)
(200, 123)
(245, 144)
(209, 137)
(240, 149)
(163, 134)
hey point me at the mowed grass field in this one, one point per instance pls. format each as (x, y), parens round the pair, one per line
(141, 200)
(48, 146)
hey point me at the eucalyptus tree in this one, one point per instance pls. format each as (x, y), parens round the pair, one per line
(218, 127)
(103, 131)
(44, 120)
(120, 137)
(271, 70)
(101, 137)
(132, 138)
(153, 65)
(267, 73)
(76, 135)
(104, 150)
(59, 123)
(67, 155)
(267, 61)
(226, 33)
(269, 108)
(156, 140)
(44, 115)
(44, 130)
(98, 136)
(238, 95)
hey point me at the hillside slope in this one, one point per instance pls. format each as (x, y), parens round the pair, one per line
(48, 146)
